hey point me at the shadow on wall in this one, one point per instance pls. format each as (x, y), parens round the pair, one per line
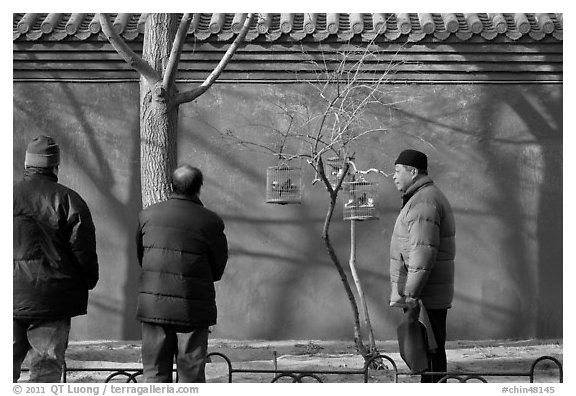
(517, 132)
(101, 162)
(279, 283)
(287, 273)
(542, 114)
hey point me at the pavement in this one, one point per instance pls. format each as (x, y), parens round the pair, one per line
(496, 360)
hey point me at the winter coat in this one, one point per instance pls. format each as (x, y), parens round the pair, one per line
(55, 261)
(422, 248)
(182, 250)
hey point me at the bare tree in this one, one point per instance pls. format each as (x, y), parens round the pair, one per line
(164, 37)
(325, 131)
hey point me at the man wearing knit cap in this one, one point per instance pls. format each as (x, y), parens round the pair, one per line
(55, 263)
(422, 251)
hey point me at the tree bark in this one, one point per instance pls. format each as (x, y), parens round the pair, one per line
(359, 288)
(158, 117)
(332, 253)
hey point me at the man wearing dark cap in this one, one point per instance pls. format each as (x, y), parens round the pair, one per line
(183, 250)
(422, 251)
(55, 263)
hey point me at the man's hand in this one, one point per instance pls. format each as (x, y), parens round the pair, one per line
(411, 302)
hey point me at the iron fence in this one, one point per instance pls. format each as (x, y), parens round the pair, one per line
(374, 365)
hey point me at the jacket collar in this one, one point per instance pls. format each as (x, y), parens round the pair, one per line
(418, 184)
(39, 174)
(193, 198)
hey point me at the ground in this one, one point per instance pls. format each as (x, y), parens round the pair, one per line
(504, 358)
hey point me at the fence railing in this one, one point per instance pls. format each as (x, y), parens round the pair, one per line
(374, 365)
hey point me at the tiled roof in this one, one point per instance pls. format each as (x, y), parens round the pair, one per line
(298, 27)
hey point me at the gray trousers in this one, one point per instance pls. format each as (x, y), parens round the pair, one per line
(46, 342)
(161, 344)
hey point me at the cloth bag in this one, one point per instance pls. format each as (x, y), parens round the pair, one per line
(416, 338)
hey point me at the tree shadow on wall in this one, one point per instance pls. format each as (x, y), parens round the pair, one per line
(541, 113)
(291, 305)
(537, 110)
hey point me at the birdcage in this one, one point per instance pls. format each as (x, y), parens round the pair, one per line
(334, 168)
(283, 185)
(360, 200)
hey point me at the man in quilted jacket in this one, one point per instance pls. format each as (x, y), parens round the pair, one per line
(422, 251)
(55, 263)
(183, 250)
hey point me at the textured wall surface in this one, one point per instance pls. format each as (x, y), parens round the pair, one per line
(495, 150)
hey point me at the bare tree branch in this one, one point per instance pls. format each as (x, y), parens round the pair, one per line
(339, 117)
(172, 66)
(188, 96)
(133, 59)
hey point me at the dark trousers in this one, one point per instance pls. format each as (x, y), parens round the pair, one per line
(45, 341)
(437, 360)
(162, 343)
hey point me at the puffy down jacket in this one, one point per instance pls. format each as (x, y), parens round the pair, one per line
(183, 250)
(55, 261)
(422, 248)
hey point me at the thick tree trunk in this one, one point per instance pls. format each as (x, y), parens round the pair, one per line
(158, 118)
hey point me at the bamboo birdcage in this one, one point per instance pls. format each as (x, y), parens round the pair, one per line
(360, 200)
(283, 185)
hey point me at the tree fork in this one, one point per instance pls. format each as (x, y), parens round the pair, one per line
(158, 117)
(326, 238)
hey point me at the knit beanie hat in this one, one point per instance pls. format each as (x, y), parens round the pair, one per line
(42, 152)
(413, 158)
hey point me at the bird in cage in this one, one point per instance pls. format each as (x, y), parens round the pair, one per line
(358, 201)
(362, 200)
(285, 187)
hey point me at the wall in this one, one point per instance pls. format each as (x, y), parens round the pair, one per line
(495, 150)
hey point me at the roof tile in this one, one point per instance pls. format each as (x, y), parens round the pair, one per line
(270, 27)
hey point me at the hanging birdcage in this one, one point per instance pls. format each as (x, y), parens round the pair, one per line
(283, 185)
(360, 200)
(334, 168)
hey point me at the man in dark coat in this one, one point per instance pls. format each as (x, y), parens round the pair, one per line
(422, 251)
(182, 250)
(55, 263)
